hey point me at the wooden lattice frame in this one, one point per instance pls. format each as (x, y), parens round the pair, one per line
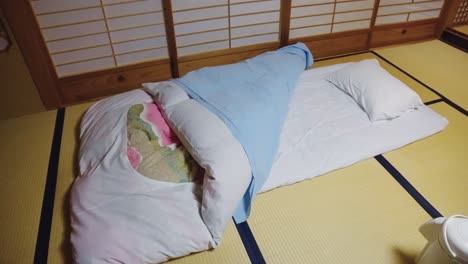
(461, 17)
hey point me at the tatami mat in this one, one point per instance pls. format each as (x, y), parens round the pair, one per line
(425, 94)
(231, 251)
(437, 166)
(359, 214)
(463, 29)
(439, 65)
(24, 158)
(354, 215)
(59, 245)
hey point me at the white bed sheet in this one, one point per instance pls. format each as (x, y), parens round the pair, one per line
(326, 130)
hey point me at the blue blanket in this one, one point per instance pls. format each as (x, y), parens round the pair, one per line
(252, 98)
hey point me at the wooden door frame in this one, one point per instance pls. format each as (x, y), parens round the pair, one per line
(21, 20)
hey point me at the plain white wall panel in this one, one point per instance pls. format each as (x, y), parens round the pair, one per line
(254, 40)
(46, 6)
(85, 66)
(138, 45)
(356, 5)
(137, 33)
(381, 20)
(78, 43)
(312, 10)
(254, 19)
(424, 15)
(350, 16)
(190, 4)
(310, 31)
(256, 29)
(309, 2)
(133, 8)
(201, 26)
(311, 21)
(254, 7)
(141, 56)
(351, 26)
(203, 47)
(198, 14)
(135, 21)
(64, 18)
(84, 54)
(202, 37)
(74, 30)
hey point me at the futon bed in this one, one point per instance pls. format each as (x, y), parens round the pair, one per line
(164, 168)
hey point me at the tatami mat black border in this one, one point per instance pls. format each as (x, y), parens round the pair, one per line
(455, 39)
(45, 224)
(434, 101)
(446, 100)
(250, 245)
(426, 205)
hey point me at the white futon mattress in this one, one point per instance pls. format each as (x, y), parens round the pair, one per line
(327, 130)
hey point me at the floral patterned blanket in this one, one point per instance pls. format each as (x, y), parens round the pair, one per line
(154, 150)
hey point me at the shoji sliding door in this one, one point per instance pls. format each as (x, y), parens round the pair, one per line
(318, 17)
(398, 11)
(93, 48)
(352, 15)
(91, 35)
(405, 20)
(209, 25)
(253, 22)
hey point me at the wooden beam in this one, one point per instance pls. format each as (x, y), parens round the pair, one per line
(170, 36)
(119, 69)
(285, 20)
(337, 44)
(403, 33)
(372, 22)
(222, 52)
(330, 36)
(449, 10)
(23, 24)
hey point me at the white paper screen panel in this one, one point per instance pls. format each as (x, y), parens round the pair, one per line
(208, 25)
(91, 35)
(400, 11)
(318, 17)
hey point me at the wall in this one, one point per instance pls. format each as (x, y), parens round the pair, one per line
(18, 94)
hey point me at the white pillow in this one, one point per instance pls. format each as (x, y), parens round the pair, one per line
(172, 94)
(380, 94)
(212, 145)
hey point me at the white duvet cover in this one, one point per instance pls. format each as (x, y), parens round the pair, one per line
(120, 216)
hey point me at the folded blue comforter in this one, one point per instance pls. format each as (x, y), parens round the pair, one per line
(251, 97)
